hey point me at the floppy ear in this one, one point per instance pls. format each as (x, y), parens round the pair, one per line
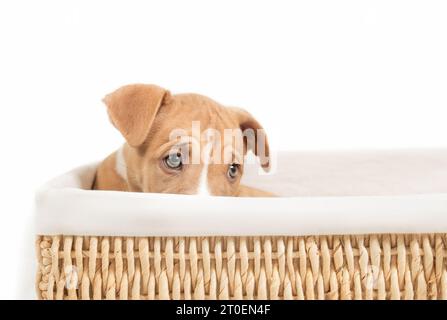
(132, 110)
(260, 147)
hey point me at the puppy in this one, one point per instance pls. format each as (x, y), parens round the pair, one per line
(160, 147)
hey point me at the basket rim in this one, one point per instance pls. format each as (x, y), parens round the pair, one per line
(63, 206)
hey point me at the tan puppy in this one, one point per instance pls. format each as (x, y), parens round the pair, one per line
(152, 161)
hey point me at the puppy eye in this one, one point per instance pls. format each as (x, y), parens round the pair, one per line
(233, 171)
(174, 161)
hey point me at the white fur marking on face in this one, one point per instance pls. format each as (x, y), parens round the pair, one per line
(120, 166)
(203, 189)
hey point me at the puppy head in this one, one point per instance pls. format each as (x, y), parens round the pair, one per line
(184, 143)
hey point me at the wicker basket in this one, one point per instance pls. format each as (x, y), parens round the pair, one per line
(388, 244)
(332, 267)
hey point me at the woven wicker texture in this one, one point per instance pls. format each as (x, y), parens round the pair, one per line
(324, 267)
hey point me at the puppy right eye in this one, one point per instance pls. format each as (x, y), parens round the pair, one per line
(174, 161)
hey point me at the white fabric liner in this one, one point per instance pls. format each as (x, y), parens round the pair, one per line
(322, 193)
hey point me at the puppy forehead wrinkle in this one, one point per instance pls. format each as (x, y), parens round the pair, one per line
(202, 105)
(194, 98)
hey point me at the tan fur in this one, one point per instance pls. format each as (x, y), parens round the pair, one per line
(146, 115)
(245, 191)
(107, 178)
(132, 110)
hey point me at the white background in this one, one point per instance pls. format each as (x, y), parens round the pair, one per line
(316, 74)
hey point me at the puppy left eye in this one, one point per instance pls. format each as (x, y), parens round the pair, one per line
(174, 161)
(233, 171)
